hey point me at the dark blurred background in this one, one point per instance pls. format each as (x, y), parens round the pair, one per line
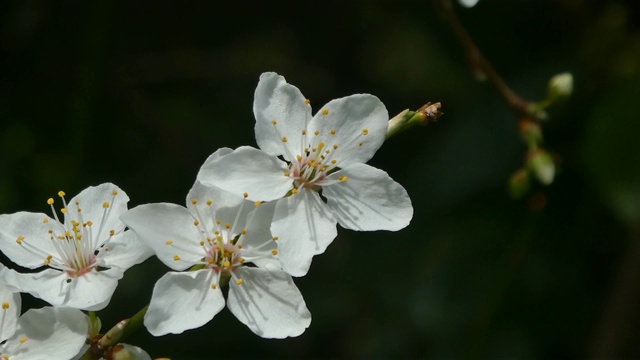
(140, 93)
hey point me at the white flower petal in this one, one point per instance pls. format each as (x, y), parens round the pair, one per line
(183, 301)
(11, 304)
(248, 170)
(269, 303)
(369, 200)
(284, 103)
(48, 333)
(357, 124)
(91, 202)
(91, 291)
(258, 233)
(305, 226)
(35, 232)
(125, 250)
(169, 230)
(226, 205)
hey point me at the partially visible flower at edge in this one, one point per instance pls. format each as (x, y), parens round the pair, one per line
(85, 251)
(324, 158)
(46, 333)
(468, 3)
(228, 238)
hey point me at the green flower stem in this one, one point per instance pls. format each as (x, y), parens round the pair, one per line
(119, 332)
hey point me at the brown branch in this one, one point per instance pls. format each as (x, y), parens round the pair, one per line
(479, 62)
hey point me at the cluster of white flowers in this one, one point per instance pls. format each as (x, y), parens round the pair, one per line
(253, 220)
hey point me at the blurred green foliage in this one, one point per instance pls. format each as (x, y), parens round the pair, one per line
(139, 94)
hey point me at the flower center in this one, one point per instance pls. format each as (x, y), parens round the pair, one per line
(78, 248)
(222, 244)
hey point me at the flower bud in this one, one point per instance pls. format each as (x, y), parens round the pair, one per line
(542, 166)
(519, 184)
(560, 87)
(531, 132)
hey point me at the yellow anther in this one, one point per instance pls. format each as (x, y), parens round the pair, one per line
(227, 226)
(275, 238)
(105, 204)
(284, 139)
(239, 282)
(273, 122)
(365, 131)
(299, 157)
(333, 161)
(213, 286)
(196, 223)
(89, 223)
(245, 195)
(335, 146)
(5, 305)
(332, 132)
(194, 201)
(79, 210)
(209, 202)
(343, 178)
(360, 144)
(316, 133)
(243, 232)
(294, 191)
(45, 220)
(210, 261)
(77, 202)
(47, 261)
(202, 242)
(50, 201)
(256, 203)
(286, 174)
(176, 257)
(325, 111)
(304, 132)
(67, 233)
(307, 101)
(112, 232)
(216, 232)
(219, 238)
(23, 339)
(168, 242)
(114, 192)
(61, 193)
(274, 252)
(74, 223)
(20, 239)
(226, 264)
(241, 260)
(63, 210)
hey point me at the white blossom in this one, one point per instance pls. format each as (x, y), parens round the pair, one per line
(85, 250)
(323, 179)
(221, 238)
(47, 333)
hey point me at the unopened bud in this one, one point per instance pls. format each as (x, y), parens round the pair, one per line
(531, 132)
(519, 184)
(560, 87)
(542, 166)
